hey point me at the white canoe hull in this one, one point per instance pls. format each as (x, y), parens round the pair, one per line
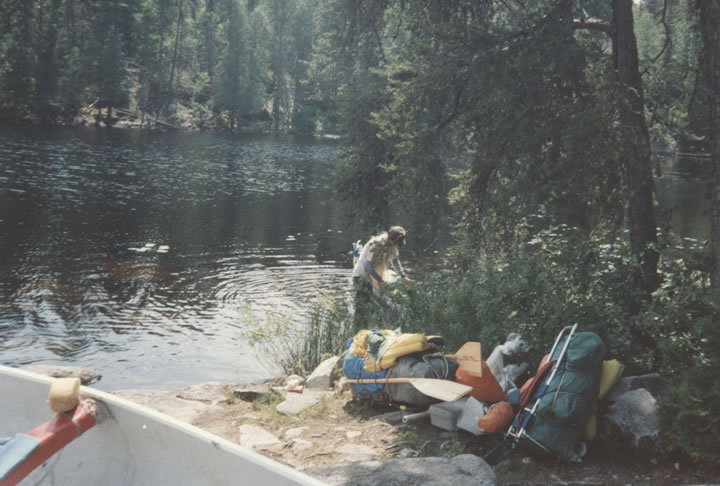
(135, 446)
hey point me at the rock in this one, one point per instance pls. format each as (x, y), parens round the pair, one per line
(653, 382)
(255, 437)
(295, 403)
(635, 414)
(466, 469)
(167, 402)
(294, 432)
(325, 375)
(250, 393)
(206, 392)
(293, 381)
(300, 444)
(87, 376)
(357, 452)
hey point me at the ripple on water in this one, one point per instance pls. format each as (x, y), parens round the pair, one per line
(218, 211)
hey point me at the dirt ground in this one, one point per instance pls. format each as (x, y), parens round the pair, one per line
(340, 429)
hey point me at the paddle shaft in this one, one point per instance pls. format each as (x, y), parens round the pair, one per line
(388, 381)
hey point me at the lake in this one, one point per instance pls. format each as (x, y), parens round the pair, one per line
(148, 256)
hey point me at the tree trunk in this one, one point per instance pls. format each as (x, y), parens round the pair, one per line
(638, 172)
(210, 39)
(710, 27)
(175, 52)
(70, 23)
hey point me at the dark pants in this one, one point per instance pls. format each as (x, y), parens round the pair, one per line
(363, 300)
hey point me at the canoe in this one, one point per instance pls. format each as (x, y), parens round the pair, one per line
(134, 445)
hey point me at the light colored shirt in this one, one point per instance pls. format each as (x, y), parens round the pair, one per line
(375, 260)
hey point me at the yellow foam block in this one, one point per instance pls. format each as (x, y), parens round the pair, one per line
(64, 394)
(612, 370)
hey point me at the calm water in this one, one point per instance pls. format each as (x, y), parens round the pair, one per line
(683, 191)
(147, 256)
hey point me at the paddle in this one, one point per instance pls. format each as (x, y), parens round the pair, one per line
(470, 358)
(445, 390)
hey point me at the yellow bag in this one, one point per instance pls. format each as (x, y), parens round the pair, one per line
(399, 345)
(612, 370)
(359, 346)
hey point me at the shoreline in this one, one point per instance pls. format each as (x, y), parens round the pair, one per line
(342, 441)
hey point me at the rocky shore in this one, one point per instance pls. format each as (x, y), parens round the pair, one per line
(327, 434)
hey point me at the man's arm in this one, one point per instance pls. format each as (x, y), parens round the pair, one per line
(398, 266)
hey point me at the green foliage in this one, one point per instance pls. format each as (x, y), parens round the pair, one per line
(691, 404)
(301, 347)
(668, 47)
(278, 340)
(106, 65)
(70, 82)
(559, 277)
(329, 328)
(167, 57)
(17, 60)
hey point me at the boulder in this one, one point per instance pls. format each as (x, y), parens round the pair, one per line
(87, 376)
(295, 403)
(294, 432)
(294, 381)
(325, 375)
(653, 383)
(255, 437)
(635, 414)
(250, 393)
(167, 402)
(465, 469)
(206, 392)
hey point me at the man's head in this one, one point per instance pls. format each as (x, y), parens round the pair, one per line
(396, 235)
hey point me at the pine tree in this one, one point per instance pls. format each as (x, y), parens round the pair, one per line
(233, 69)
(105, 60)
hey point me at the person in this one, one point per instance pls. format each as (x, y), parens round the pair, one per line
(373, 271)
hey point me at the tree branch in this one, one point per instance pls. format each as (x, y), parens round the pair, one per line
(592, 25)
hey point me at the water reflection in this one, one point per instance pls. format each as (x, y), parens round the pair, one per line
(143, 255)
(683, 189)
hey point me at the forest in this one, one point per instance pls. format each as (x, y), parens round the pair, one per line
(528, 127)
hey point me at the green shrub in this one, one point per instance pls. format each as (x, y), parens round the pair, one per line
(298, 347)
(329, 328)
(690, 407)
(560, 277)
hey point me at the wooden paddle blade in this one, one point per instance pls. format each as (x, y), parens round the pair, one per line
(469, 356)
(445, 390)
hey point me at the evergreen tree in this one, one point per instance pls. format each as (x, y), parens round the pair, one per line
(237, 92)
(47, 69)
(17, 57)
(105, 60)
(710, 28)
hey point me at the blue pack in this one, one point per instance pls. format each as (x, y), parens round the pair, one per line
(354, 368)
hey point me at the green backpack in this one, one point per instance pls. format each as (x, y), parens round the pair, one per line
(567, 403)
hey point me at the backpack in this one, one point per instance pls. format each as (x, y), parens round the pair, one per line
(567, 402)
